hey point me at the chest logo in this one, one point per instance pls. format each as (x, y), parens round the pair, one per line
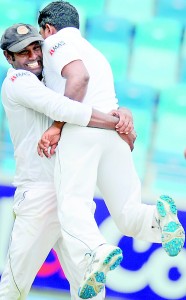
(57, 46)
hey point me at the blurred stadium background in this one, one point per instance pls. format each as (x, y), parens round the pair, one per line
(145, 43)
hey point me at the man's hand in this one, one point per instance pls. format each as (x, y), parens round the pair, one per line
(125, 124)
(129, 138)
(49, 140)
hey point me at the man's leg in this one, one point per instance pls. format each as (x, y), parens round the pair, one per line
(77, 162)
(75, 178)
(73, 274)
(35, 231)
(121, 190)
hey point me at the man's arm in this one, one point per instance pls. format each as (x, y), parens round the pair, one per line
(49, 140)
(125, 124)
(26, 90)
(77, 79)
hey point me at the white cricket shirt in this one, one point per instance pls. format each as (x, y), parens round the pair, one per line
(30, 108)
(68, 45)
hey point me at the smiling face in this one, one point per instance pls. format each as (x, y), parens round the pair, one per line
(30, 58)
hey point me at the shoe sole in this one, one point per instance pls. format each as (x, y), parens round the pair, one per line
(95, 283)
(173, 235)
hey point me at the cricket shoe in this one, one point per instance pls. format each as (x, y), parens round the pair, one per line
(173, 234)
(105, 258)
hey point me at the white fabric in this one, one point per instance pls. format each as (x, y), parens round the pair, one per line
(100, 157)
(27, 103)
(24, 99)
(87, 155)
(36, 231)
(68, 46)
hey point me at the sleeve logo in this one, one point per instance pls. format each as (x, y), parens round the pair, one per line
(20, 74)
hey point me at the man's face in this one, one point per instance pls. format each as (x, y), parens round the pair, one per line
(30, 59)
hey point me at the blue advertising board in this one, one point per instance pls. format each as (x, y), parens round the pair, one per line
(146, 271)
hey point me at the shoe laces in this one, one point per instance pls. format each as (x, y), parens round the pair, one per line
(90, 257)
(158, 222)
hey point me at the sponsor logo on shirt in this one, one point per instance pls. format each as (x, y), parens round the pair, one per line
(20, 74)
(57, 46)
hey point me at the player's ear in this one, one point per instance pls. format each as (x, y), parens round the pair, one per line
(50, 29)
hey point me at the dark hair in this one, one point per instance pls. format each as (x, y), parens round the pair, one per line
(11, 54)
(59, 14)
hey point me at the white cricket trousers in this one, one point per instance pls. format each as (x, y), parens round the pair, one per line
(36, 231)
(90, 156)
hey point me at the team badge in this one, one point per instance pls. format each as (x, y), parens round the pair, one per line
(22, 29)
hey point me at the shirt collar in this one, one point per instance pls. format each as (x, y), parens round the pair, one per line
(69, 31)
